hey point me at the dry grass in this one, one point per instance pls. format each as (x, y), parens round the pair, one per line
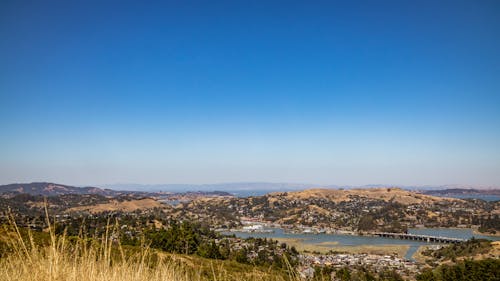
(301, 246)
(388, 249)
(123, 206)
(387, 194)
(104, 259)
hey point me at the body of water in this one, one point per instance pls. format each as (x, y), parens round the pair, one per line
(354, 240)
(485, 197)
(462, 233)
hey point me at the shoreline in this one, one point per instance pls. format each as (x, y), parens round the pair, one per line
(402, 250)
(476, 231)
(418, 256)
(325, 247)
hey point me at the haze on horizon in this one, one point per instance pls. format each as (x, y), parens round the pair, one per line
(391, 92)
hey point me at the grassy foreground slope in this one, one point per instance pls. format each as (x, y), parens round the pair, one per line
(44, 256)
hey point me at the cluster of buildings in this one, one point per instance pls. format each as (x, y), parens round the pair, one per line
(376, 263)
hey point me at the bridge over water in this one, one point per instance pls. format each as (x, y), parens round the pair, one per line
(417, 237)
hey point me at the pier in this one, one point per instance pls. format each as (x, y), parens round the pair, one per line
(416, 237)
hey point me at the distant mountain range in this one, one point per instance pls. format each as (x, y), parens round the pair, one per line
(53, 189)
(463, 191)
(280, 186)
(239, 189)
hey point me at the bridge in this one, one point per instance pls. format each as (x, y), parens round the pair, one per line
(417, 237)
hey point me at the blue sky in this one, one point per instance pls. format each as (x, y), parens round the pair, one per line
(364, 92)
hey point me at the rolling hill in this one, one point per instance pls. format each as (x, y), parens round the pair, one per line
(53, 189)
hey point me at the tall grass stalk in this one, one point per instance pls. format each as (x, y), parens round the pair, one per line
(103, 259)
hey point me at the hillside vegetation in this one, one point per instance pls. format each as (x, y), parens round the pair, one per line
(467, 249)
(483, 270)
(25, 256)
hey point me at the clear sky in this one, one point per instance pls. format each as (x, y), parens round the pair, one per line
(347, 92)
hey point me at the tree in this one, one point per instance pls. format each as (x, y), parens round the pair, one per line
(343, 274)
(366, 223)
(241, 256)
(209, 250)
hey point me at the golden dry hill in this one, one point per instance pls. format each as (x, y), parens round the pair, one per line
(123, 206)
(386, 194)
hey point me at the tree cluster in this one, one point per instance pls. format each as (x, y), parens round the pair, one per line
(482, 270)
